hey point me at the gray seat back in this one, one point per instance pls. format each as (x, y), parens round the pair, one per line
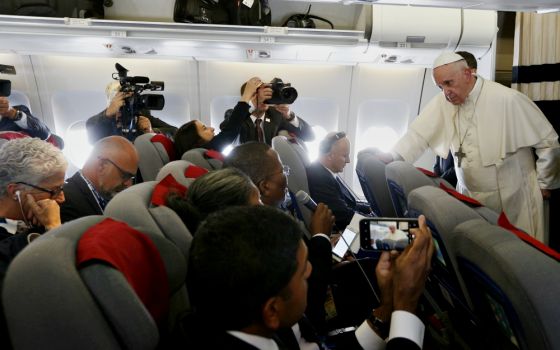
(514, 287)
(444, 213)
(177, 169)
(294, 156)
(198, 157)
(134, 207)
(371, 174)
(402, 178)
(49, 302)
(152, 154)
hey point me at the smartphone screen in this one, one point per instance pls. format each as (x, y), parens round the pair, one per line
(343, 244)
(386, 233)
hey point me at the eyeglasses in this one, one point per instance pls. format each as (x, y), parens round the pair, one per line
(54, 193)
(125, 175)
(285, 170)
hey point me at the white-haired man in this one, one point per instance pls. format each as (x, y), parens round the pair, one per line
(110, 122)
(492, 131)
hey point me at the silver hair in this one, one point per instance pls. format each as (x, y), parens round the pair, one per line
(28, 160)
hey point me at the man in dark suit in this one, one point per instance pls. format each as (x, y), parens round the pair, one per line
(325, 184)
(257, 255)
(109, 169)
(262, 164)
(269, 119)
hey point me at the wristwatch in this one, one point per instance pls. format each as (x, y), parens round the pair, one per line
(19, 115)
(378, 324)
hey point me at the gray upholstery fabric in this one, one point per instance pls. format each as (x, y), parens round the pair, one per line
(294, 156)
(196, 156)
(374, 172)
(445, 213)
(124, 311)
(295, 159)
(50, 304)
(45, 300)
(152, 156)
(529, 279)
(407, 176)
(177, 169)
(133, 206)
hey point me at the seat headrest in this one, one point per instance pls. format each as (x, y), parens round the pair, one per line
(134, 255)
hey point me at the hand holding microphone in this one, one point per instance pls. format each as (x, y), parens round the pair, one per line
(322, 220)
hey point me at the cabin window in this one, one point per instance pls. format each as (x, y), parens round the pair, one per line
(76, 148)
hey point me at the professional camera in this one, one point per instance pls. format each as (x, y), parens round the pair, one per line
(282, 93)
(6, 85)
(137, 103)
(5, 88)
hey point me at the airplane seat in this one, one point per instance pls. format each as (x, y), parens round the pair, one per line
(207, 159)
(182, 171)
(66, 291)
(446, 285)
(371, 173)
(6, 136)
(402, 178)
(154, 151)
(294, 156)
(513, 287)
(134, 206)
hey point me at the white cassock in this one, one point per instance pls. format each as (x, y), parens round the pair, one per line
(496, 128)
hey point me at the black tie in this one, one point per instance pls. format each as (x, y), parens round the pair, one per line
(260, 136)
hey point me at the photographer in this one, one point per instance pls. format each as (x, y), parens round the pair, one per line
(19, 118)
(112, 122)
(267, 120)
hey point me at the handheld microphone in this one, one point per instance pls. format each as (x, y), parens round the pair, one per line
(306, 200)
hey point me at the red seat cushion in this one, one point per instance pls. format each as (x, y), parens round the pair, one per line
(134, 255)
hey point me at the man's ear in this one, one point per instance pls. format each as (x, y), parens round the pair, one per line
(263, 188)
(11, 189)
(271, 313)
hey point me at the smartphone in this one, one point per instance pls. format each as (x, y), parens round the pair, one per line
(386, 233)
(344, 243)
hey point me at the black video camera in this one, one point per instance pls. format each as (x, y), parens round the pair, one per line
(282, 93)
(137, 103)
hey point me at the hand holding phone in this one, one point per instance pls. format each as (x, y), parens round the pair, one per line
(386, 233)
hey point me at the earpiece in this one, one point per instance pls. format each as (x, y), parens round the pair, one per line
(18, 195)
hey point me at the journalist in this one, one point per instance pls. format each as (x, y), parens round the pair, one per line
(112, 121)
(270, 114)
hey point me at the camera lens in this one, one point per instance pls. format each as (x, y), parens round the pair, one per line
(289, 95)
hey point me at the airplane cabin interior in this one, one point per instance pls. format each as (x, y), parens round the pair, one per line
(369, 76)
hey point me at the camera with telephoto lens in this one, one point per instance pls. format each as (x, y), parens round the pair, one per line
(138, 102)
(282, 93)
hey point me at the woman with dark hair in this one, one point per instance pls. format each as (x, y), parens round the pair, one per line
(195, 134)
(213, 191)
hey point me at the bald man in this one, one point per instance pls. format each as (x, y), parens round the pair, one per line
(109, 169)
(326, 185)
(492, 131)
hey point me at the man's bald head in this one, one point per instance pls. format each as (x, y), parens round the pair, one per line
(111, 164)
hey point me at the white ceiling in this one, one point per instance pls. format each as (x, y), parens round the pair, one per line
(500, 5)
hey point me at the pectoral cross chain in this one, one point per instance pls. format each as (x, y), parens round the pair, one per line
(460, 155)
